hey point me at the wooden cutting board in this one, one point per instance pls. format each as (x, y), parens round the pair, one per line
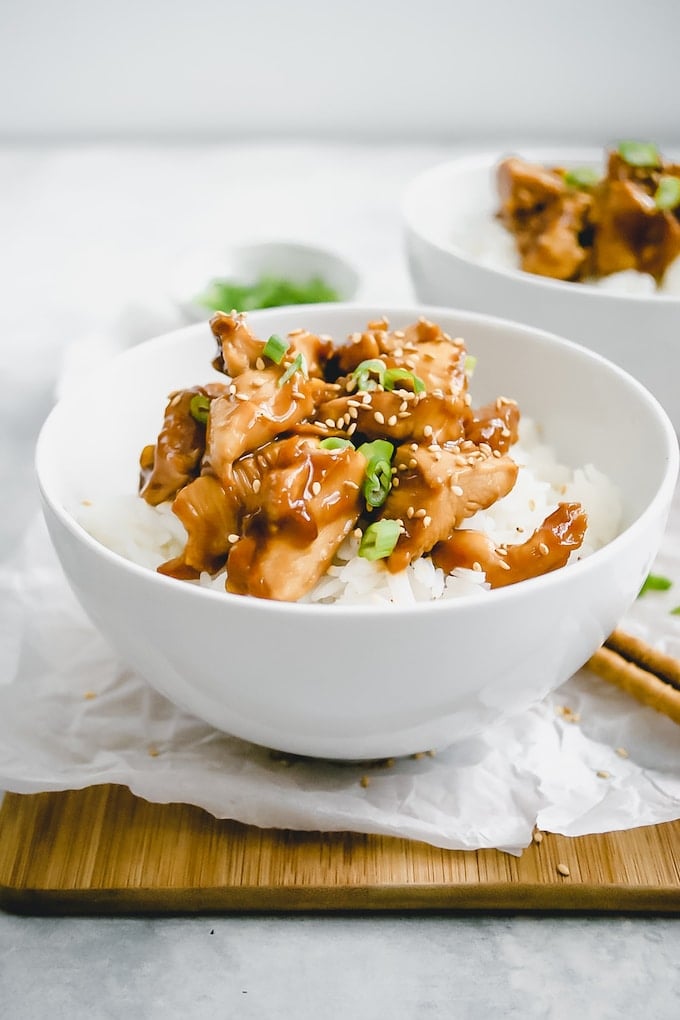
(103, 850)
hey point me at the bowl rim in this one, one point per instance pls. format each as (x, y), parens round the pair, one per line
(523, 589)
(486, 159)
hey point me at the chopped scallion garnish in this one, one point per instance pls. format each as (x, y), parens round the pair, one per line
(378, 481)
(335, 443)
(676, 611)
(199, 407)
(379, 539)
(581, 177)
(275, 348)
(643, 154)
(667, 195)
(297, 365)
(365, 369)
(470, 364)
(393, 376)
(655, 582)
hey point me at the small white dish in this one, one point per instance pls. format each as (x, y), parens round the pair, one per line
(250, 261)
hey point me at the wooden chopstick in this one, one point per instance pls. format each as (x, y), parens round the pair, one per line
(648, 675)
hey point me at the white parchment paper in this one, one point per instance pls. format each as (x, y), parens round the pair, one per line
(72, 716)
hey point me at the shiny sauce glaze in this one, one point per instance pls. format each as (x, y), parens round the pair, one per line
(304, 443)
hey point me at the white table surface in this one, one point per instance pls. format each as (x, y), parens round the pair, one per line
(88, 239)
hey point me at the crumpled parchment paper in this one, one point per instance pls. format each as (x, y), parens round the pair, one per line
(72, 716)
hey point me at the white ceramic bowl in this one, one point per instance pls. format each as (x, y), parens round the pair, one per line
(355, 682)
(246, 262)
(447, 203)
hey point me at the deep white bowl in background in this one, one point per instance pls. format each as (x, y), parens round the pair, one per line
(246, 262)
(361, 682)
(441, 207)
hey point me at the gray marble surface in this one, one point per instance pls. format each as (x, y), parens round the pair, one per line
(90, 238)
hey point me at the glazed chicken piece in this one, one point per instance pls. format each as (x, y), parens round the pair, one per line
(434, 490)
(397, 415)
(239, 350)
(548, 549)
(546, 217)
(309, 501)
(176, 457)
(256, 410)
(496, 424)
(422, 348)
(631, 232)
(210, 515)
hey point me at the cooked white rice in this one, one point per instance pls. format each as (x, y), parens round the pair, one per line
(486, 239)
(150, 535)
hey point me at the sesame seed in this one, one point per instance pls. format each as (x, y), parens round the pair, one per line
(242, 396)
(537, 836)
(259, 364)
(346, 418)
(399, 334)
(543, 549)
(352, 429)
(350, 484)
(563, 870)
(232, 538)
(379, 417)
(353, 413)
(457, 490)
(603, 774)
(353, 403)
(395, 482)
(339, 422)
(316, 488)
(532, 504)
(232, 390)
(89, 695)
(410, 512)
(427, 521)
(622, 752)
(427, 431)
(392, 420)
(296, 332)
(358, 533)
(477, 566)
(404, 405)
(257, 485)
(152, 751)
(421, 513)
(404, 414)
(414, 447)
(364, 781)
(504, 565)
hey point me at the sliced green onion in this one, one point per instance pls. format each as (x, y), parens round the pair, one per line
(655, 582)
(667, 195)
(362, 373)
(335, 443)
(581, 177)
(379, 539)
(643, 154)
(378, 481)
(470, 364)
(392, 376)
(676, 611)
(297, 365)
(275, 348)
(199, 406)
